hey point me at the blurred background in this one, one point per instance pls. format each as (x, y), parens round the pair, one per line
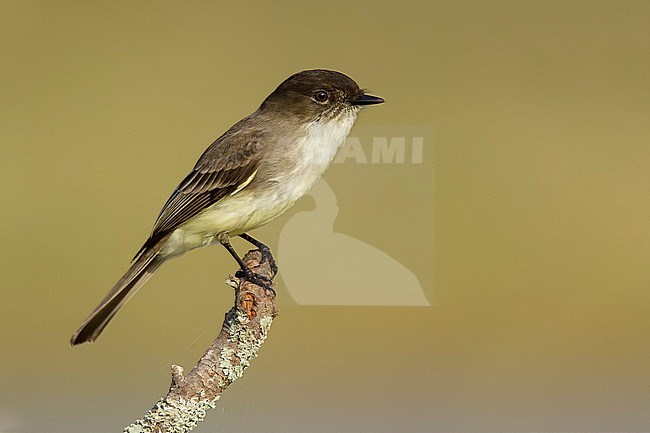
(525, 223)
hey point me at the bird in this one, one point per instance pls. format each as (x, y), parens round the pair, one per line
(247, 177)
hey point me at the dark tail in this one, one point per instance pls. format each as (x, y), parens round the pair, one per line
(141, 270)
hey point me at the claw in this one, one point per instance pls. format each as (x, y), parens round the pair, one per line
(267, 256)
(258, 280)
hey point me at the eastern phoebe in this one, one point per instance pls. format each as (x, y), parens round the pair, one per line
(250, 175)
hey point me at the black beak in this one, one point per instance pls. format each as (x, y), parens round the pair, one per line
(364, 99)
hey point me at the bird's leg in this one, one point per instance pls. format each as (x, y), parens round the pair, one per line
(265, 250)
(244, 271)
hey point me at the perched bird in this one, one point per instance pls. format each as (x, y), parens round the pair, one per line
(250, 175)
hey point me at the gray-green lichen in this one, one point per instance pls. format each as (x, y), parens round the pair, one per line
(173, 416)
(233, 361)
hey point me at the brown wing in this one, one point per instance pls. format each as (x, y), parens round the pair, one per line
(224, 167)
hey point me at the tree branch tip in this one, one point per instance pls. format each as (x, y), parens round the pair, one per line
(177, 375)
(232, 281)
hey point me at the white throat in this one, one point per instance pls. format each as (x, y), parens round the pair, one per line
(323, 140)
(315, 151)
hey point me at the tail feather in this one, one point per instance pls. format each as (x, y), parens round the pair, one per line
(138, 274)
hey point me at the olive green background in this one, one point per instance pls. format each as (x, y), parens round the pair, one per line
(527, 223)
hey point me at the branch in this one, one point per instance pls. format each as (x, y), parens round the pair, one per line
(244, 329)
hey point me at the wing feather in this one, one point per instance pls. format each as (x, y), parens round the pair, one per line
(228, 165)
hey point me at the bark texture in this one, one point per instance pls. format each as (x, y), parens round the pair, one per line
(244, 329)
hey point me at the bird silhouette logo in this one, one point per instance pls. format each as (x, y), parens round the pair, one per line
(361, 273)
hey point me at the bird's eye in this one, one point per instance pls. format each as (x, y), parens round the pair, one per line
(321, 96)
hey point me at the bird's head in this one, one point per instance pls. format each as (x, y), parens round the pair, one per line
(318, 94)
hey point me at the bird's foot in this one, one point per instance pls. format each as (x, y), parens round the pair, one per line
(264, 250)
(257, 279)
